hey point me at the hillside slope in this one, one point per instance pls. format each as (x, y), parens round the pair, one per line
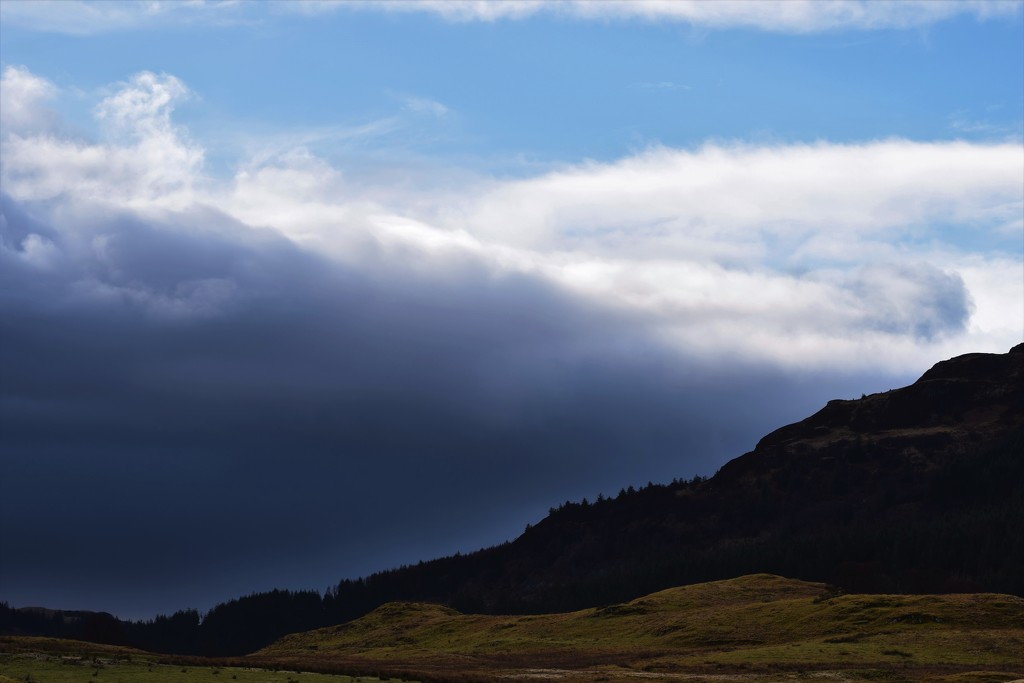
(919, 490)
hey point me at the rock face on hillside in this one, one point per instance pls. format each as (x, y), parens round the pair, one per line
(957, 408)
(977, 396)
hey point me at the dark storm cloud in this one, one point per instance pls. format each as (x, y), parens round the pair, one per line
(193, 409)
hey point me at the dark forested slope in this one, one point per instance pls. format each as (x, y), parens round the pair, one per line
(915, 490)
(919, 489)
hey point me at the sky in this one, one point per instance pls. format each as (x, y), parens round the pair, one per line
(292, 292)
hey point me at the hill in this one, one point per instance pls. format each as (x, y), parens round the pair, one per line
(750, 628)
(914, 490)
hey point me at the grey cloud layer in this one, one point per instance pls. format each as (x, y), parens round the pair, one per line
(184, 387)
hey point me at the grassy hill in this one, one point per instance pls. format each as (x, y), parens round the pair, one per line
(753, 628)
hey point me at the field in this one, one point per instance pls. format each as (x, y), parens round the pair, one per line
(47, 660)
(754, 629)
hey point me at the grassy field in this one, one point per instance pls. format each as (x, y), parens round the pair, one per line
(754, 628)
(48, 660)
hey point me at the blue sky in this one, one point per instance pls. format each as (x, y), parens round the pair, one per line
(547, 87)
(476, 257)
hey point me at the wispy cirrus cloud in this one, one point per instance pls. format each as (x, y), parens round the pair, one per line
(257, 145)
(968, 123)
(424, 105)
(660, 85)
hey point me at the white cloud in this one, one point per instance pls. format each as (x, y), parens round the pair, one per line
(142, 108)
(786, 252)
(796, 16)
(802, 255)
(707, 201)
(454, 10)
(85, 17)
(789, 16)
(996, 284)
(302, 197)
(146, 163)
(24, 101)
